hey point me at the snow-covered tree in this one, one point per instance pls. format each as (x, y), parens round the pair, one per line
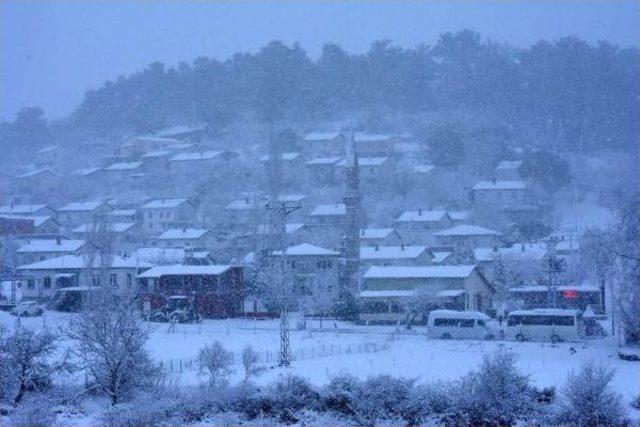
(588, 400)
(25, 362)
(250, 363)
(215, 363)
(628, 289)
(110, 344)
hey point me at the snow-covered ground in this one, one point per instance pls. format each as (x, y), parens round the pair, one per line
(364, 351)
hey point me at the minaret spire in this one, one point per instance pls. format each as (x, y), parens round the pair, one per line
(353, 222)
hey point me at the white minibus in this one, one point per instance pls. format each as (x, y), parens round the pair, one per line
(544, 324)
(459, 324)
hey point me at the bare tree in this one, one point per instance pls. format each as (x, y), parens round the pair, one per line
(215, 362)
(110, 343)
(250, 363)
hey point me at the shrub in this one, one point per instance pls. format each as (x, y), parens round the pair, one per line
(215, 363)
(288, 395)
(587, 399)
(635, 403)
(144, 410)
(495, 394)
(33, 412)
(381, 397)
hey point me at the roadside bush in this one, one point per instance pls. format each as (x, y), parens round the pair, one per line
(144, 410)
(339, 394)
(588, 400)
(635, 403)
(427, 402)
(381, 398)
(288, 395)
(35, 411)
(495, 394)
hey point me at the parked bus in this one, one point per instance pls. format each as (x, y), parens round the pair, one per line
(449, 324)
(544, 324)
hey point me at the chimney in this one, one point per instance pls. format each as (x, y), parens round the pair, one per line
(58, 240)
(523, 246)
(377, 247)
(420, 212)
(402, 246)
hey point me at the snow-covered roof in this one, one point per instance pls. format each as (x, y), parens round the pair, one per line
(324, 161)
(156, 153)
(51, 245)
(77, 262)
(123, 166)
(81, 206)
(164, 203)
(420, 272)
(283, 156)
(509, 165)
(183, 233)
(368, 253)
(371, 137)
(500, 185)
(113, 227)
(561, 288)
(184, 270)
(546, 312)
(157, 255)
(36, 172)
(366, 161)
(329, 209)
(86, 171)
(180, 129)
(203, 155)
(515, 252)
(22, 209)
(423, 168)
(458, 314)
(388, 293)
(157, 139)
(451, 293)
(467, 230)
(375, 233)
(321, 136)
(422, 216)
(440, 257)
(306, 249)
(459, 215)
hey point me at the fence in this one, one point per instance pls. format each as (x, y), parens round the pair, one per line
(268, 356)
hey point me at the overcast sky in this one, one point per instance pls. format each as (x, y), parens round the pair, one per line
(51, 52)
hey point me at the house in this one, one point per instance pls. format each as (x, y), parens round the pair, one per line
(193, 164)
(312, 267)
(500, 194)
(184, 238)
(43, 249)
(39, 225)
(375, 145)
(322, 170)
(387, 290)
(296, 231)
(394, 255)
(466, 237)
(27, 210)
(530, 259)
(248, 210)
(326, 224)
(77, 213)
(40, 280)
(159, 215)
(161, 256)
(48, 157)
(423, 170)
(15, 225)
(508, 170)
(416, 227)
(217, 290)
(292, 166)
(194, 133)
(123, 235)
(123, 168)
(122, 216)
(156, 162)
(316, 144)
(380, 237)
(88, 176)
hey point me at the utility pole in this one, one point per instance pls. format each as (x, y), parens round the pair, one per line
(284, 358)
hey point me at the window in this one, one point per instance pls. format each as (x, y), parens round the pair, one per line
(129, 279)
(481, 323)
(31, 283)
(466, 323)
(96, 280)
(563, 320)
(448, 323)
(113, 279)
(46, 282)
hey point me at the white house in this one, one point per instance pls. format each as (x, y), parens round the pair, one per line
(500, 194)
(417, 226)
(380, 236)
(292, 166)
(42, 249)
(394, 255)
(508, 170)
(466, 237)
(40, 280)
(184, 238)
(159, 215)
(28, 210)
(77, 213)
(322, 170)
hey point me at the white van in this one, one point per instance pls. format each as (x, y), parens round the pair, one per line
(459, 324)
(544, 324)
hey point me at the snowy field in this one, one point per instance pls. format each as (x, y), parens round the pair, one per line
(364, 351)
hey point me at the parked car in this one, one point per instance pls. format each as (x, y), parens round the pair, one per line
(27, 308)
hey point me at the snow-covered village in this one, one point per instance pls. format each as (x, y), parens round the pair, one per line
(319, 213)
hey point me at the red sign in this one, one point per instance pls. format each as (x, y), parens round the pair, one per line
(570, 294)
